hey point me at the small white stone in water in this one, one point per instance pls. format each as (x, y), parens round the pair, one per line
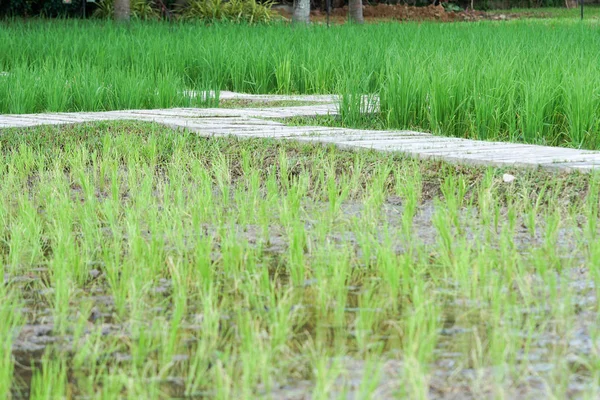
(508, 178)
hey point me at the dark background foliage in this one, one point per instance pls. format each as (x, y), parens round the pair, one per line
(56, 8)
(46, 8)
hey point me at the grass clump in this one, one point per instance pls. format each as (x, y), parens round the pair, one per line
(148, 263)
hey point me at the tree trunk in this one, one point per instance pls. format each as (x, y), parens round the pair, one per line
(355, 11)
(122, 10)
(301, 12)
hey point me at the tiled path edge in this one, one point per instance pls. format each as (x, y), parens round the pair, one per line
(255, 123)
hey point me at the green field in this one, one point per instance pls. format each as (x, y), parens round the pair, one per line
(534, 81)
(140, 262)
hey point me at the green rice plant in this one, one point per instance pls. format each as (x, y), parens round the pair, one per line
(357, 102)
(205, 346)
(372, 376)
(296, 258)
(531, 210)
(366, 233)
(12, 320)
(25, 246)
(49, 379)
(537, 109)
(400, 96)
(535, 83)
(409, 188)
(390, 266)
(454, 191)
(152, 265)
(418, 341)
(551, 232)
(592, 204)
(486, 206)
(326, 370)
(337, 192)
(369, 315)
(581, 103)
(443, 223)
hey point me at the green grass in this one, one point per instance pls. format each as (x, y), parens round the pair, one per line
(140, 262)
(534, 81)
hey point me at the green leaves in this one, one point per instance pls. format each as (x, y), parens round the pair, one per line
(228, 10)
(140, 9)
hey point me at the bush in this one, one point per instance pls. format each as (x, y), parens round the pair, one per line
(249, 11)
(231, 10)
(47, 8)
(140, 9)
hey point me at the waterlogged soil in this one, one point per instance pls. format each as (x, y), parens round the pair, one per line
(451, 377)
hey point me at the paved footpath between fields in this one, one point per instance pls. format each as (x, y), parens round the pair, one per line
(258, 123)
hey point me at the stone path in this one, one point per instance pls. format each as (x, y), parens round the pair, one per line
(255, 123)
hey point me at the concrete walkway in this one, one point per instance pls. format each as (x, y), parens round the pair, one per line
(255, 123)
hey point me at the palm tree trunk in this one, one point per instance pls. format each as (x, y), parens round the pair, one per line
(301, 12)
(355, 11)
(122, 10)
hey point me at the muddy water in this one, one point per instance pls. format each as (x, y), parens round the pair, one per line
(450, 375)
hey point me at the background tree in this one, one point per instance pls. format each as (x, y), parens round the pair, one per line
(301, 12)
(122, 10)
(355, 11)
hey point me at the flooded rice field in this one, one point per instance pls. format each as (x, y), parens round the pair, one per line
(143, 263)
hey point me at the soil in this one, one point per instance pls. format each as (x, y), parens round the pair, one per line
(450, 378)
(403, 12)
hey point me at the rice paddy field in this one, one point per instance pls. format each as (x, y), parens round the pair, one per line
(139, 262)
(534, 81)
